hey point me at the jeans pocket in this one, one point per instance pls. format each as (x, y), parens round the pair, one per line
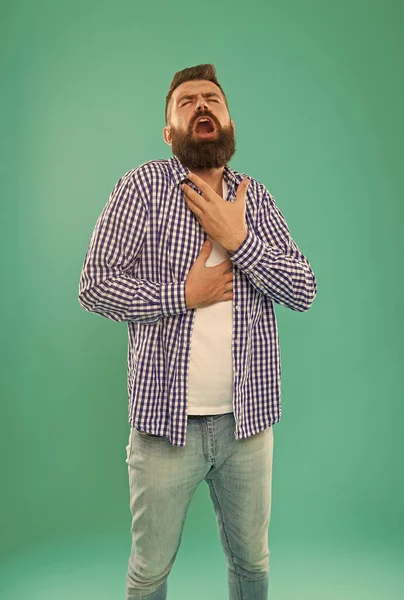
(149, 436)
(128, 447)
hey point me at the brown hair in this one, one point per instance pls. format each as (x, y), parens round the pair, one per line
(198, 72)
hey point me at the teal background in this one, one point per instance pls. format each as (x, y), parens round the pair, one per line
(316, 92)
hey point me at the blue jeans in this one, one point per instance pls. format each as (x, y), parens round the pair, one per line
(162, 482)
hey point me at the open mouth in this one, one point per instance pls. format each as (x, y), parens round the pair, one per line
(204, 126)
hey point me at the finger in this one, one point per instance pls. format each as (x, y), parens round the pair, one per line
(228, 269)
(197, 199)
(196, 209)
(197, 180)
(241, 193)
(227, 296)
(207, 192)
(188, 191)
(226, 263)
(223, 270)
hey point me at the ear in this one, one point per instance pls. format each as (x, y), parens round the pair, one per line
(167, 135)
(233, 126)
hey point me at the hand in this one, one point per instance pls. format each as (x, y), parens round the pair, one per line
(223, 221)
(207, 285)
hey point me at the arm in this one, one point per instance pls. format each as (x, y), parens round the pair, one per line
(273, 263)
(106, 286)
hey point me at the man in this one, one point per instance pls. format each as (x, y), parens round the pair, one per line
(192, 254)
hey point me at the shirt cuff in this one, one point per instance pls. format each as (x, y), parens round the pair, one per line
(249, 253)
(172, 299)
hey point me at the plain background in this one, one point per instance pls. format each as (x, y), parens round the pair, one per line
(316, 92)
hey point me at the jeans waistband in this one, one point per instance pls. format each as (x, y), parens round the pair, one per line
(205, 416)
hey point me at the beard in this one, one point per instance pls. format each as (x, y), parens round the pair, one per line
(203, 154)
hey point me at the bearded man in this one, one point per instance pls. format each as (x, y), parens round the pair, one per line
(192, 254)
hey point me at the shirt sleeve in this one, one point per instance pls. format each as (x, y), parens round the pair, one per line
(106, 285)
(273, 263)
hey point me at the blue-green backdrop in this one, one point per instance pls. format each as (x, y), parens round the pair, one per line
(316, 92)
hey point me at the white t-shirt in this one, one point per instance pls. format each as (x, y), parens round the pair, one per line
(210, 382)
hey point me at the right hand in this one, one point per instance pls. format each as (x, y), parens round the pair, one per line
(208, 285)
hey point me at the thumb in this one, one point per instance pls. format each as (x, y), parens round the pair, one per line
(241, 194)
(205, 251)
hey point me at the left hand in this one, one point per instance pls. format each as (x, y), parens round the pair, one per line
(223, 221)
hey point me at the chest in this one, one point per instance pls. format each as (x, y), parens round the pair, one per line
(174, 236)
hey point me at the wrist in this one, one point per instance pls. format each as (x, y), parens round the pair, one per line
(235, 241)
(189, 297)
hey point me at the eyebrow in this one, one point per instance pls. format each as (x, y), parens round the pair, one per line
(191, 96)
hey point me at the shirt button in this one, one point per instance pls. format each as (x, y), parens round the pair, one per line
(237, 307)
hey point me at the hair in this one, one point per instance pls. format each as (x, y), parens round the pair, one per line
(206, 72)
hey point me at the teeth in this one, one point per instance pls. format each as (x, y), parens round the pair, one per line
(204, 119)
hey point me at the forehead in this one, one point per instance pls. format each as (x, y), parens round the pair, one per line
(196, 87)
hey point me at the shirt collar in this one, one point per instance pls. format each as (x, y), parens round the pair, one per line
(180, 172)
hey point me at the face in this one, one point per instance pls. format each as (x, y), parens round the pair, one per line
(200, 146)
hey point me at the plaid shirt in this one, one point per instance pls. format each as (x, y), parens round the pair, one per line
(143, 245)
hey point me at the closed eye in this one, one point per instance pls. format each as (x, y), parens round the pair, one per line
(210, 100)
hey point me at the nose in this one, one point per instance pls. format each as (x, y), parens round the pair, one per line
(201, 104)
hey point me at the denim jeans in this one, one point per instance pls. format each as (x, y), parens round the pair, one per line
(162, 482)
